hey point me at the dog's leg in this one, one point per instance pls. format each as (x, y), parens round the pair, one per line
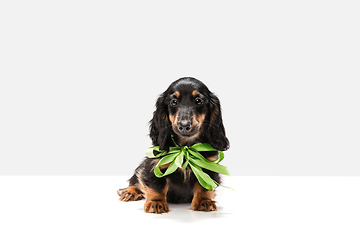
(155, 190)
(156, 200)
(133, 192)
(203, 199)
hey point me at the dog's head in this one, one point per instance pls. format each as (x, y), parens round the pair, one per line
(191, 113)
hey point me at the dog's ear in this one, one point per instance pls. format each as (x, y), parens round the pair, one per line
(160, 127)
(216, 131)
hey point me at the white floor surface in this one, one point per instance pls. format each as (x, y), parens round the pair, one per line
(260, 208)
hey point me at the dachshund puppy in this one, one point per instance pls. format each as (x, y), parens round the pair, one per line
(186, 113)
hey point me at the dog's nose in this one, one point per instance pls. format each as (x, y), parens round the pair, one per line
(184, 126)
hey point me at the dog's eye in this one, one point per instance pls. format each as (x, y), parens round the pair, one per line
(173, 102)
(199, 101)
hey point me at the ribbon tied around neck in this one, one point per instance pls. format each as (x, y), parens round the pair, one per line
(181, 157)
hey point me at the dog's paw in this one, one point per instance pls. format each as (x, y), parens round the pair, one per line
(130, 194)
(156, 206)
(205, 205)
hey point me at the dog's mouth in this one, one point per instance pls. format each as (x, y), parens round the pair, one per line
(186, 135)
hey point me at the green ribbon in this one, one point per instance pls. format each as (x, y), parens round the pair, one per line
(177, 155)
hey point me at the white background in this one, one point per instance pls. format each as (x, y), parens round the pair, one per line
(87, 207)
(79, 79)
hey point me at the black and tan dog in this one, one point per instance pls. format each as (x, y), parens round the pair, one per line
(187, 113)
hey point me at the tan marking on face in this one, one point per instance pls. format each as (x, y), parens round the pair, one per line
(195, 93)
(176, 94)
(173, 119)
(198, 120)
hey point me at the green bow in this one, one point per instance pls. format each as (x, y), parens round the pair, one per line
(193, 158)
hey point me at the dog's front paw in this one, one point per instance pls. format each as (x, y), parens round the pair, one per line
(156, 206)
(130, 194)
(205, 205)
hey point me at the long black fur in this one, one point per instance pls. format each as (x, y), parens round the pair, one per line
(160, 126)
(212, 131)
